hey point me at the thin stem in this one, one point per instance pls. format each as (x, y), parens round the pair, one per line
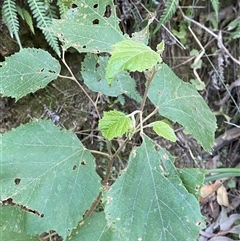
(80, 86)
(147, 88)
(217, 37)
(146, 93)
(93, 206)
(110, 163)
(100, 153)
(149, 116)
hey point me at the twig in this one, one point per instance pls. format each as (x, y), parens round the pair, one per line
(220, 43)
(93, 206)
(75, 80)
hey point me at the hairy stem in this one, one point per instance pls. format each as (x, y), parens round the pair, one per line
(149, 80)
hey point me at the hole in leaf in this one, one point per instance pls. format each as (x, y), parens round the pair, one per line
(74, 167)
(83, 162)
(108, 12)
(95, 21)
(95, 5)
(199, 223)
(17, 181)
(84, 46)
(42, 215)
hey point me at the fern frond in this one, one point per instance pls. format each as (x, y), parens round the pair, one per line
(215, 5)
(43, 21)
(51, 10)
(9, 16)
(235, 26)
(64, 5)
(170, 9)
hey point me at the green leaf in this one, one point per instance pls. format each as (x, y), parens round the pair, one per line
(180, 101)
(28, 19)
(155, 206)
(113, 124)
(93, 73)
(160, 47)
(193, 179)
(12, 224)
(50, 172)
(131, 56)
(92, 27)
(94, 228)
(27, 71)
(165, 130)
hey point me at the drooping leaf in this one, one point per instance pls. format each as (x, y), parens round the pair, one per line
(90, 27)
(94, 228)
(113, 124)
(131, 56)
(27, 71)
(141, 208)
(12, 224)
(180, 102)
(93, 73)
(165, 130)
(49, 171)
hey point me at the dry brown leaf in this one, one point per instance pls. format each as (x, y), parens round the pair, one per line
(222, 197)
(209, 189)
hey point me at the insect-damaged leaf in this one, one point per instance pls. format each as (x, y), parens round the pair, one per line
(27, 71)
(147, 195)
(49, 171)
(92, 26)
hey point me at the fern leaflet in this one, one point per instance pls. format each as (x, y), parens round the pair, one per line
(170, 9)
(9, 15)
(43, 21)
(215, 5)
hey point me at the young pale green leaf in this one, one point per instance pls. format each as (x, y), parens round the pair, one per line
(93, 26)
(94, 228)
(12, 224)
(180, 102)
(131, 56)
(48, 170)
(160, 47)
(155, 206)
(27, 71)
(113, 124)
(93, 73)
(165, 130)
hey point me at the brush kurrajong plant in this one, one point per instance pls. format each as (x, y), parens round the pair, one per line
(49, 176)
